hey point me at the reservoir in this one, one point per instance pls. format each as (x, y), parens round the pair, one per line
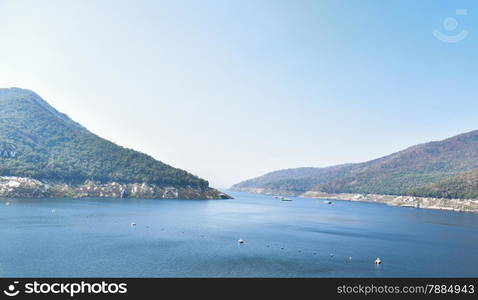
(199, 238)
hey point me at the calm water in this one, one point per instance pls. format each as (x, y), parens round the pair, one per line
(190, 238)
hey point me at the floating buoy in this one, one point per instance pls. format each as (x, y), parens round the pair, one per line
(377, 261)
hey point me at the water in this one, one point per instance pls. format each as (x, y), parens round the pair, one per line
(195, 238)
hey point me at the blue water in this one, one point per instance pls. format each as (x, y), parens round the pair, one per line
(196, 238)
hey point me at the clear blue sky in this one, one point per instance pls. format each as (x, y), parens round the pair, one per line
(232, 89)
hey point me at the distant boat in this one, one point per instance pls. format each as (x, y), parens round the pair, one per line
(328, 202)
(377, 261)
(133, 224)
(239, 241)
(285, 199)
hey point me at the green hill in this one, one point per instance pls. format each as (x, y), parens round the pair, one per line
(38, 142)
(407, 172)
(461, 186)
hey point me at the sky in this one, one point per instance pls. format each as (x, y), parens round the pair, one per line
(230, 90)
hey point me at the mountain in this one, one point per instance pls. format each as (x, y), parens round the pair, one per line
(45, 153)
(295, 180)
(461, 186)
(439, 168)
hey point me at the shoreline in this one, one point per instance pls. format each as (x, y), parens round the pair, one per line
(458, 205)
(20, 187)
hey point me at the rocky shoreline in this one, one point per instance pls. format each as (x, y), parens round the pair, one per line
(21, 187)
(460, 205)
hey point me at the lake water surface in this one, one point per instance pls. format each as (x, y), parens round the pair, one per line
(196, 238)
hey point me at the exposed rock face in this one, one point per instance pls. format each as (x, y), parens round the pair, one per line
(20, 187)
(15, 187)
(463, 205)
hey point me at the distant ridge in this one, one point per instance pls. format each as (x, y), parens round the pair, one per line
(446, 168)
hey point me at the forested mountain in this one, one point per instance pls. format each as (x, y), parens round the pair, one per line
(38, 142)
(423, 169)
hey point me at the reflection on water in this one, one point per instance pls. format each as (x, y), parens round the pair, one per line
(194, 238)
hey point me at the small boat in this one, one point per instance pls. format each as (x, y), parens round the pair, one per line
(285, 199)
(133, 224)
(328, 202)
(378, 261)
(240, 241)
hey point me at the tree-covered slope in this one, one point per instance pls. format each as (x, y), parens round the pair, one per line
(461, 186)
(294, 180)
(37, 141)
(396, 174)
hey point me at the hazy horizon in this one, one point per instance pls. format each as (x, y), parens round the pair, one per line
(232, 90)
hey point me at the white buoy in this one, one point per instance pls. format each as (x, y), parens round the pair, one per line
(377, 261)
